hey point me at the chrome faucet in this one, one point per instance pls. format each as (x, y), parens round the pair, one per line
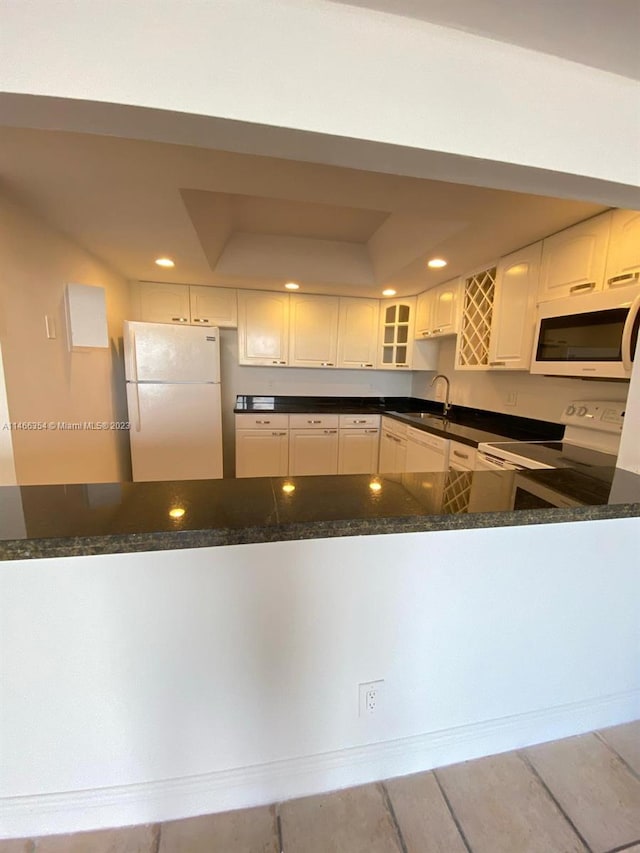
(446, 405)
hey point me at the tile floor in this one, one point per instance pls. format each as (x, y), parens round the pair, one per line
(579, 794)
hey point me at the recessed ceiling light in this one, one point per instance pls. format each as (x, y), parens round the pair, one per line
(288, 488)
(436, 263)
(389, 292)
(177, 512)
(375, 486)
(291, 285)
(165, 262)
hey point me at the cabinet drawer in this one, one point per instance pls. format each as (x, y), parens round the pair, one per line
(462, 456)
(313, 421)
(262, 420)
(362, 421)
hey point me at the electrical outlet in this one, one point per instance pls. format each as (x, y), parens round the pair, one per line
(369, 696)
(512, 398)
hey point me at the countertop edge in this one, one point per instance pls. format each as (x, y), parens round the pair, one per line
(16, 550)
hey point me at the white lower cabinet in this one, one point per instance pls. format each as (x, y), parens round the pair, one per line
(262, 445)
(262, 453)
(313, 451)
(393, 447)
(358, 446)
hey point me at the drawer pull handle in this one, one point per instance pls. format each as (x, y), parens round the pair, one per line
(278, 433)
(278, 362)
(263, 422)
(497, 364)
(426, 334)
(369, 431)
(200, 319)
(330, 431)
(460, 455)
(363, 421)
(617, 280)
(326, 364)
(180, 319)
(366, 364)
(589, 285)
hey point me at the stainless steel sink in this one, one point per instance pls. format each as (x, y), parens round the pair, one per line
(429, 416)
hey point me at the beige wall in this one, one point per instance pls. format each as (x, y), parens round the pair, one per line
(542, 397)
(44, 381)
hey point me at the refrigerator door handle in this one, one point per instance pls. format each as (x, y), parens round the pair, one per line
(134, 358)
(138, 425)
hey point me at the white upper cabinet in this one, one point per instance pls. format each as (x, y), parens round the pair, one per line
(158, 302)
(213, 306)
(358, 333)
(313, 329)
(438, 310)
(623, 259)
(514, 302)
(573, 261)
(396, 334)
(263, 327)
(184, 304)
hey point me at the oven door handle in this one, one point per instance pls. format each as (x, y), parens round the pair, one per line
(627, 334)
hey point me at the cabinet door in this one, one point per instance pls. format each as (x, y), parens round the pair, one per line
(313, 340)
(424, 313)
(262, 453)
(358, 451)
(446, 303)
(213, 306)
(358, 333)
(163, 303)
(313, 451)
(263, 327)
(623, 258)
(388, 444)
(514, 304)
(573, 261)
(396, 334)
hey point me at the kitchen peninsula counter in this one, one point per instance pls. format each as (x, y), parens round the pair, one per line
(108, 518)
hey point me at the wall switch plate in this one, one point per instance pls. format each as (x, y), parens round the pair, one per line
(369, 697)
(512, 398)
(50, 326)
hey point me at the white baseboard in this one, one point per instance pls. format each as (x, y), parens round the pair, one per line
(169, 799)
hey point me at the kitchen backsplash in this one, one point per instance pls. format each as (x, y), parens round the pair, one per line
(542, 397)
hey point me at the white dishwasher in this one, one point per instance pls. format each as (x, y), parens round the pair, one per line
(426, 452)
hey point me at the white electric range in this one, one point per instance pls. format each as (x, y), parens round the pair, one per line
(591, 439)
(589, 448)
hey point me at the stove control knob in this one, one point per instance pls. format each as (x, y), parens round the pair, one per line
(582, 411)
(570, 410)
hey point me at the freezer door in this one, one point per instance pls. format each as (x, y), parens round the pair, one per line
(161, 352)
(176, 431)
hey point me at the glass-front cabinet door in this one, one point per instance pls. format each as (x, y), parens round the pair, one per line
(397, 332)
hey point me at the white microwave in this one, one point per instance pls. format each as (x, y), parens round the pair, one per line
(591, 336)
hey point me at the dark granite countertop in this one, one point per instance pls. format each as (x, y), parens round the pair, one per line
(106, 518)
(463, 424)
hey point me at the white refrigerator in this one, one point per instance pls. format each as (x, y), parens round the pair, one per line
(173, 396)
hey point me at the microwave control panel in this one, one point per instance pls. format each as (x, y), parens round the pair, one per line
(603, 415)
